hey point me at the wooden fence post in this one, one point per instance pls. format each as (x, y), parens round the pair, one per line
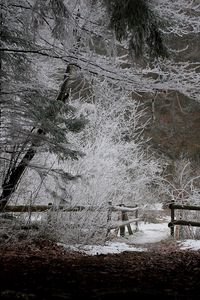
(122, 228)
(172, 219)
(109, 214)
(128, 225)
(49, 213)
(136, 216)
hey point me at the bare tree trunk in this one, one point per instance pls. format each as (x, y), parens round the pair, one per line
(14, 175)
(9, 187)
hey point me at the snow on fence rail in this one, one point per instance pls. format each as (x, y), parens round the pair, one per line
(174, 222)
(118, 225)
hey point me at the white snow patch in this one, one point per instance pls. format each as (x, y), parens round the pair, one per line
(109, 247)
(148, 233)
(151, 233)
(190, 244)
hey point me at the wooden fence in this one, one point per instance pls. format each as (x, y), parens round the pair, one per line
(181, 222)
(119, 225)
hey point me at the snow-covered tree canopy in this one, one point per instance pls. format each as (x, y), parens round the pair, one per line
(70, 74)
(86, 42)
(54, 50)
(136, 21)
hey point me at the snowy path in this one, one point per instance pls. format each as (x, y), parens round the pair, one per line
(148, 233)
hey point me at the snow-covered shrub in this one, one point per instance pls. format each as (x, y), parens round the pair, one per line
(115, 168)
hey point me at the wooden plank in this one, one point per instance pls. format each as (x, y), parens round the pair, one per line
(42, 208)
(122, 227)
(128, 225)
(124, 208)
(185, 207)
(136, 216)
(172, 221)
(123, 223)
(184, 223)
(78, 208)
(109, 216)
(26, 208)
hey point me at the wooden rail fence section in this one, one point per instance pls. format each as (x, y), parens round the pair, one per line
(125, 222)
(174, 222)
(119, 225)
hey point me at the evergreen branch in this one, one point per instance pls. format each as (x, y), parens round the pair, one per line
(14, 92)
(20, 6)
(31, 52)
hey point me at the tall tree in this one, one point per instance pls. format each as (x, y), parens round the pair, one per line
(31, 109)
(136, 21)
(33, 113)
(52, 52)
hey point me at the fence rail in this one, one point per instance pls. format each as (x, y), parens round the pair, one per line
(119, 225)
(43, 208)
(181, 222)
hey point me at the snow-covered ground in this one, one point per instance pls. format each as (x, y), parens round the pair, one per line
(148, 233)
(190, 244)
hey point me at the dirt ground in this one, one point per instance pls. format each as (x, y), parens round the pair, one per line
(42, 270)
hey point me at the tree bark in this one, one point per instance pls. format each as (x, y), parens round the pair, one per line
(9, 187)
(12, 179)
